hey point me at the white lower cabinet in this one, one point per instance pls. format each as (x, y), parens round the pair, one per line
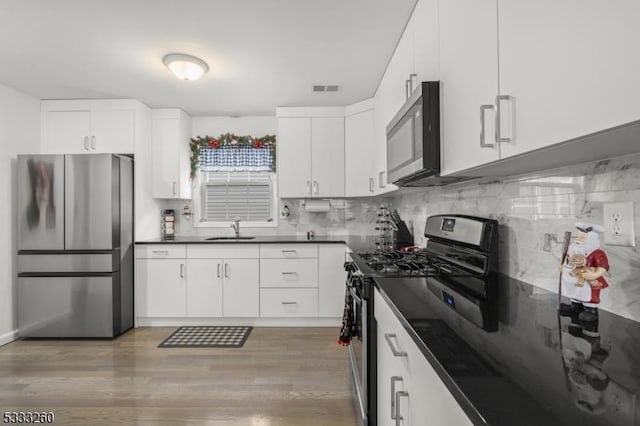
(204, 290)
(239, 281)
(223, 280)
(288, 302)
(160, 288)
(409, 390)
(331, 280)
(241, 290)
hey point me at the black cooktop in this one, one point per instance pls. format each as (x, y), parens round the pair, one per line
(539, 368)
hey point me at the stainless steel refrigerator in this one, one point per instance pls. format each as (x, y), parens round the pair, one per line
(75, 245)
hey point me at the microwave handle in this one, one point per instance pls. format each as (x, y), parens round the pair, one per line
(483, 143)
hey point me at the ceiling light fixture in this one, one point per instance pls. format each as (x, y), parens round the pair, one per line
(185, 67)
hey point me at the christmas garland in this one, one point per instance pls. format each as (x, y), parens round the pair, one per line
(229, 140)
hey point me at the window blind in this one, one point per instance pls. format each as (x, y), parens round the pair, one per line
(230, 194)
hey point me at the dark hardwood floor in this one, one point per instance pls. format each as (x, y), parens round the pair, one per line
(282, 376)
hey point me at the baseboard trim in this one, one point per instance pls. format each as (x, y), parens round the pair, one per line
(255, 322)
(8, 337)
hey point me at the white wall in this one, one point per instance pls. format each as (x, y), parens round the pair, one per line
(19, 134)
(241, 126)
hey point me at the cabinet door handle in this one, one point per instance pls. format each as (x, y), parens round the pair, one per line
(218, 270)
(399, 395)
(308, 192)
(226, 270)
(175, 188)
(182, 270)
(392, 346)
(315, 187)
(381, 180)
(499, 100)
(93, 142)
(370, 184)
(86, 143)
(394, 379)
(483, 143)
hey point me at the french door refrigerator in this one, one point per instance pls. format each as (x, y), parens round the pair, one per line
(75, 245)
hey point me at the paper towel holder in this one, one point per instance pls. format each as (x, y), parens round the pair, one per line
(316, 206)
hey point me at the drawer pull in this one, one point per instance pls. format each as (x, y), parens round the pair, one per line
(289, 273)
(394, 379)
(289, 303)
(289, 251)
(162, 252)
(399, 419)
(392, 346)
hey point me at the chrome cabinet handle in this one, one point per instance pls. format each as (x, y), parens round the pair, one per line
(399, 395)
(289, 303)
(392, 346)
(499, 100)
(483, 143)
(218, 271)
(308, 187)
(370, 184)
(226, 270)
(394, 379)
(381, 180)
(288, 251)
(289, 273)
(175, 187)
(93, 142)
(162, 252)
(315, 187)
(182, 270)
(86, 143)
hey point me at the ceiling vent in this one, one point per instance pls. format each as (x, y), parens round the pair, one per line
(327, 88)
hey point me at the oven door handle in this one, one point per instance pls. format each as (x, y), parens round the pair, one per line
(355, 296)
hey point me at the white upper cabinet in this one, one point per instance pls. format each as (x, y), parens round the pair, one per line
(310, 152)
(89, 126)
(518, 76)
(571, 67)
(361, 169)
(171, 132)
(469, 80)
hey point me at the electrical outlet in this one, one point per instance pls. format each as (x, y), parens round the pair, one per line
(619, 227)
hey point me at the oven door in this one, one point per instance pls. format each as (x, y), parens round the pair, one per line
(358, 355)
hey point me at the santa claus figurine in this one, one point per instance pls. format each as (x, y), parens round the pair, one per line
(584, 274)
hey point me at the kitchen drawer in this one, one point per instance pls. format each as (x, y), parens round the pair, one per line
(290, 302)
(223, 251)
(288, 272)
(161, 251)
(288, 251)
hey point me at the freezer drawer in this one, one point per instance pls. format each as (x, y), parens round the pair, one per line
(67, 306)
(65, 262)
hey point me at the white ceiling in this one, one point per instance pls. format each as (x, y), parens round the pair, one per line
(261, 53)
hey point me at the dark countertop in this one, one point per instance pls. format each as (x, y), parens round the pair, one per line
(518, 375)
(276, 239)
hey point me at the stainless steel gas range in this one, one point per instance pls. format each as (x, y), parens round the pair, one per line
(459, 264)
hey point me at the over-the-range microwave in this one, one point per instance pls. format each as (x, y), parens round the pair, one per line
(413, 137)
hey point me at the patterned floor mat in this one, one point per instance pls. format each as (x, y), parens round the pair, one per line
(207, 337)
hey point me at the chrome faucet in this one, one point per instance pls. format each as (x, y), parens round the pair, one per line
(236, 226)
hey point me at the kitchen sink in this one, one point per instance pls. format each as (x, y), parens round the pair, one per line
(228, 238)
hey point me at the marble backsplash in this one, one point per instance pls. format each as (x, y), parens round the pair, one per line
(346, 217)
(535, 211)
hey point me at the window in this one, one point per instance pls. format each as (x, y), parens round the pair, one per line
(247, 195)
(236, 179)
